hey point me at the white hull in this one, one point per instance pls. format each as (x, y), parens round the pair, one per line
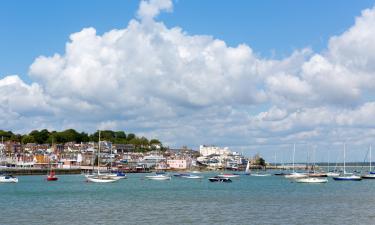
(192, 177)
(3, 179)
(158, 177)
(228, 175)
(295, 175)
(312, 180)
(101, 179)
(260, 175)
(369, 176)
(332, 174)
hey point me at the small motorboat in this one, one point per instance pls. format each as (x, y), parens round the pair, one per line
(181, 174)
(51, 176)
(220, 179)
(279, 174)
(228, 175)
(313, 180)
(158, 177)
(8, 179)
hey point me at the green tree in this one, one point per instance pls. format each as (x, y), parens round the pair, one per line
(28, 139)
(130, 136)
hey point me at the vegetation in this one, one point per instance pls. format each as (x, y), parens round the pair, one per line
(60, 137)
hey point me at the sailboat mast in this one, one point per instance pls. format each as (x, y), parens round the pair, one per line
(99, 153)
(370, 158)
(344, 157)
(294, 152)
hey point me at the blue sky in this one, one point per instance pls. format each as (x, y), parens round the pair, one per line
(256, 76)
(39, 27)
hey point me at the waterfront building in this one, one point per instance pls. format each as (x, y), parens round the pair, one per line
(213, 150)
(179, 163)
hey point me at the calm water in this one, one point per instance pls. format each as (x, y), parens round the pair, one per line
(248, 200)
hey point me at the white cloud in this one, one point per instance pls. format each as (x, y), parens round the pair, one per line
(194, 89)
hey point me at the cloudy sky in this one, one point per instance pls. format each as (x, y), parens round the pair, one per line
(254, 76)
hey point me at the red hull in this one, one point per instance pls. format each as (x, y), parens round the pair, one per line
(52, 178)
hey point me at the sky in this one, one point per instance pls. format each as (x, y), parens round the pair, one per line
(256, 76)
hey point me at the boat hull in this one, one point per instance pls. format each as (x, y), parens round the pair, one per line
(368, 176)
(220, 179)
(8, 179)
(101, 180)
(228, 175)
(158, 177)
(312, 180)
(351, 178)
(52, 178)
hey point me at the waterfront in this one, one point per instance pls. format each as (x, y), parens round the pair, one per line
(248, 200)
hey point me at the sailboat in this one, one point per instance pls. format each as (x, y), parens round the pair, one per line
(331, 173)
(294, 174)
(100, 178)
(247, 170)
(370, 175)
(347, 176)
(314, 178)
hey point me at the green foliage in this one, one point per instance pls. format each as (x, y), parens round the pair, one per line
(70, 135)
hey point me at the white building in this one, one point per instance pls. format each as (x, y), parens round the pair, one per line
(179, 163)
(213, 150)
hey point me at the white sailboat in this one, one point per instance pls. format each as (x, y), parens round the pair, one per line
(247, 170)
(370, 175)
(100, 178)
(294, 174)
(347, 176)
(331, 173)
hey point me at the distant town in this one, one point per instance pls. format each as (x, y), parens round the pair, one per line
(70, 149)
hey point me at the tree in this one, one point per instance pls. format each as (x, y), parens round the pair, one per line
(130, 136)
(28, 139)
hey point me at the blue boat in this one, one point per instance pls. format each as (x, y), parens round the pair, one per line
(347, 177)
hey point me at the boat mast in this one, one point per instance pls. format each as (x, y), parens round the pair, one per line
(294, 152)
(344, 158)
(99, 154)
(370, 158)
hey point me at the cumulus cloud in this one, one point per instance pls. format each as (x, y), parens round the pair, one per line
(194, 89)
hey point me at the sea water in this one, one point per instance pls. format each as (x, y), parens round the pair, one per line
(247, 200)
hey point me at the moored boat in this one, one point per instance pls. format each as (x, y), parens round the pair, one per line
(158, 177)
(51, 176)
(101, 179)
(312, 180)
(260, 174)
(8, 179)
(296, 175)
(220, 179)
(333, 174)
(347, 177)
(227, 175)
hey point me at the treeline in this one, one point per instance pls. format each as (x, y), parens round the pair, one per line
(60, 137)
